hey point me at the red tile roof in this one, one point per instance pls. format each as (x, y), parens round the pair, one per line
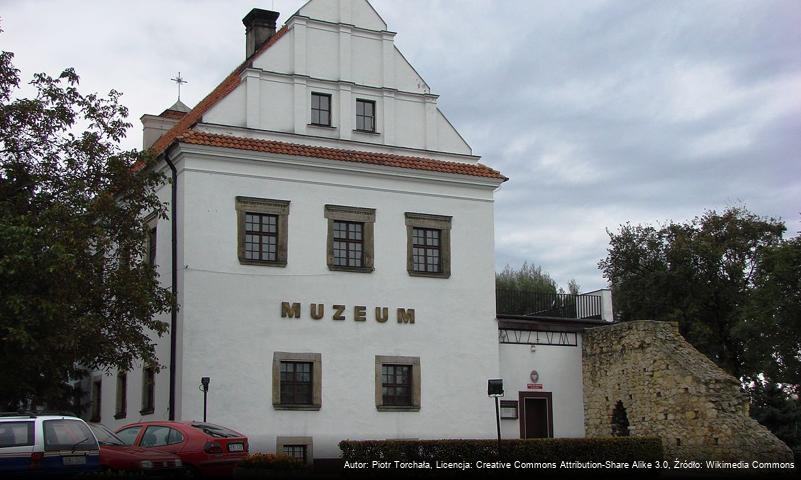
(223, 89)
(389, 160)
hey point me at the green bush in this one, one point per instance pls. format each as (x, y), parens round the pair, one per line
(269, 461)
(617, 449)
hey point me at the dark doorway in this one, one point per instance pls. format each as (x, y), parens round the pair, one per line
(536, 415)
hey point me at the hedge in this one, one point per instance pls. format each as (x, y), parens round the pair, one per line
(617, 449)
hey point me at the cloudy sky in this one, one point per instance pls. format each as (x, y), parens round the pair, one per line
(600, 112)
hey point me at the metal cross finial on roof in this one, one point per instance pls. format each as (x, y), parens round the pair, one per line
(179, 80)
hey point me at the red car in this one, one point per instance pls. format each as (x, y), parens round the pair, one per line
(204, 448)
(116, 455)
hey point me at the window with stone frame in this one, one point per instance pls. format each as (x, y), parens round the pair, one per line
(148, 390)
(350, 238)
(428, 239)
(298, 447)
(296, 451)
(365, 115)
(321, 109)
(97, 396)
(397, 383)
(262, 231)
(297, 383)
(122, 396)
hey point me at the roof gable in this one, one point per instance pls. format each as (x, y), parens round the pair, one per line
(353, 12)
(227, 86)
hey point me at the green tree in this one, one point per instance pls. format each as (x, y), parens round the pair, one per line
(774, 313)
(524, 290)
(701, 274)
(74, 290)
(778, 411)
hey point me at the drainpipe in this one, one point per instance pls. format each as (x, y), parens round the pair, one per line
(174, 309)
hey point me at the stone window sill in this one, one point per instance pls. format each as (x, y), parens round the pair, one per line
(317, 125)
(429, 274)
(397, 408)
(120, 415)
(148, 411)
(297, 407)
(366, 132)
(262, 263)
(339, 268)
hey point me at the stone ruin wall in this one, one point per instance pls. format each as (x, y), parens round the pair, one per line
(671, 391)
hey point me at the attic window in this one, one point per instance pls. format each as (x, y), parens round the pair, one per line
(321, 109)
(365, 115)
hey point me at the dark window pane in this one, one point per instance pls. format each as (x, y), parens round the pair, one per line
(348, 245)
(426, 257)
(296, 383)
(396, 384)
(261, 236)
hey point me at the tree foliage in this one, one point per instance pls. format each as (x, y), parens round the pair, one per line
(700, 274)
(529, 278)
(74, 290)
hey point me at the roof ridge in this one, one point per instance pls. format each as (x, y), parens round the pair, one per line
(225, 87)
(477, 169)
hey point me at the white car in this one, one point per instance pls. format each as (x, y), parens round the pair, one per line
(33, 444)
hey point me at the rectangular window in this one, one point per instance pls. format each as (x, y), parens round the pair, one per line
(148, 390)
(96, 398)
(296, 451)
(262, 231)
(261, 237)
(428, 245)
(122, 395)
(16, 434)
(396, 385)
(321, 109)
(296, 383)
(350, 238)
(365, 115)
(426, 250)
(348, 244)
(298, 447)
(152, 237)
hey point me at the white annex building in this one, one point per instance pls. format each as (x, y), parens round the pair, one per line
(334, 258)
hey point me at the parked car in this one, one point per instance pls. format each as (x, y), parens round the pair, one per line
(116, 455)
(39, 445)
(204, 448)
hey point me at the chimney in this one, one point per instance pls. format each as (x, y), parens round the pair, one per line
(259, 27)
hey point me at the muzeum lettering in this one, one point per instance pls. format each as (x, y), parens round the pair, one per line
(340, 312)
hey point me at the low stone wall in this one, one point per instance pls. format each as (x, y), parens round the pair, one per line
(671, 391)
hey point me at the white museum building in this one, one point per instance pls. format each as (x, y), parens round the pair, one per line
(331, 245)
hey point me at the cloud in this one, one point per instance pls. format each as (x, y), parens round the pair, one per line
(600, 112)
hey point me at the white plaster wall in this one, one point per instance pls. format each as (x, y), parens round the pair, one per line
(233, 322)
(162, 344)
(559, 368)
(357, 12)
(230, 110)
(340, 58)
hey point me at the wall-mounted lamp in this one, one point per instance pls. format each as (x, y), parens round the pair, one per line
(495, 389)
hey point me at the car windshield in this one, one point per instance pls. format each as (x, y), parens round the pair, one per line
(104, 435)
(215, 430)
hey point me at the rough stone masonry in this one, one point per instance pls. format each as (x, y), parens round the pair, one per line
(672, 391)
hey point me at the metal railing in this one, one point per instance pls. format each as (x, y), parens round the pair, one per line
(512, 301)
